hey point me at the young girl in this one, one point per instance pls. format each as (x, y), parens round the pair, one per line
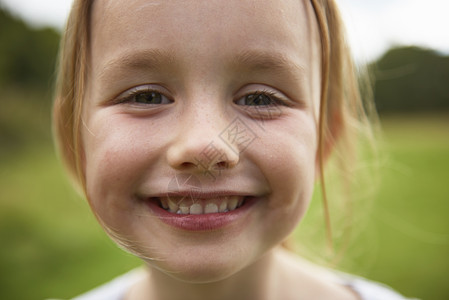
(196, 130)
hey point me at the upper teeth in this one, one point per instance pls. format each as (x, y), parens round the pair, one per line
(187, 205)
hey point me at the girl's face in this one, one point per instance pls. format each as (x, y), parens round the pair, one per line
(200, 131)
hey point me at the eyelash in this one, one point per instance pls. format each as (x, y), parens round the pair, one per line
(130, 97)
(272, 96)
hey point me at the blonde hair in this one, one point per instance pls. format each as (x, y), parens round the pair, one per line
(342, 113)
(70, 89)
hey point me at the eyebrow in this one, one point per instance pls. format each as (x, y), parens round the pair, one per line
(263, 61)
(252, 61)
(154, 59)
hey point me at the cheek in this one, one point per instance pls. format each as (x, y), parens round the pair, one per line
(287, 156)
(293, 174)
(118, 154)
(292, 158)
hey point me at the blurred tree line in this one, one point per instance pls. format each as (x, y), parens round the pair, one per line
(411, 79)
(27, 63)
(407, 79)
(27, 55)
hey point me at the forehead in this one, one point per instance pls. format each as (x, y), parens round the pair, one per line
(202, 27)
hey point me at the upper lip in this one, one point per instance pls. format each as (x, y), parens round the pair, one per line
(202, 194)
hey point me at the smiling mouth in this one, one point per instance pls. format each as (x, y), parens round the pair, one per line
(197, 206)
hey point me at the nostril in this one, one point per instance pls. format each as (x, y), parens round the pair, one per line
(187, 165)
(222, 165)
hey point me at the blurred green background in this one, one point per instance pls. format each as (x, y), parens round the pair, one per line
(52, 247)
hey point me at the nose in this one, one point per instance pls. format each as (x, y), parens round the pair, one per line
(201, 145)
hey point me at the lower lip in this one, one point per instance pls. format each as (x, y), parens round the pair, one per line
(204, 222)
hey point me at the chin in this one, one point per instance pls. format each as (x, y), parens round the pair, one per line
(200, 270)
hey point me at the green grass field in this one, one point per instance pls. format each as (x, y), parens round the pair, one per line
(52, 247)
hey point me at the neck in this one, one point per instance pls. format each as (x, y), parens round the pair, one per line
(257, 281)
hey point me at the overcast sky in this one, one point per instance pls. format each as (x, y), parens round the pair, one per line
(373, 25)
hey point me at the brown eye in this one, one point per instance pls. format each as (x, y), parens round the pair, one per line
(150, 97)
(258, 99)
